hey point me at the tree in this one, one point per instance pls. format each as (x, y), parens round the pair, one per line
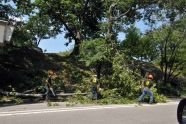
(40, 27)
(166, 13)
(14, 11)
(78, 19)
(81, 20)
(94, 54)
(170, 40)
(10, 9)
(131, 45)
(21, 36)
(148, 48)
(6, 10)
(138, 46)
(118, 13)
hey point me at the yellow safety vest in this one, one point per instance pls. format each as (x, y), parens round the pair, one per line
(94, 80)
(147, 83)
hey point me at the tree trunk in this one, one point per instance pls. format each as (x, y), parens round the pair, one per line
(76, 50)
(98, 70)
(165, 57)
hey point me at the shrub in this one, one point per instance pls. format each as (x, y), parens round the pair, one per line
(122, 82)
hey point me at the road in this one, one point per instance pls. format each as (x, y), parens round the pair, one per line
(111, 114)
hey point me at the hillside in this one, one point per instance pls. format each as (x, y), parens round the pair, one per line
(25, 68)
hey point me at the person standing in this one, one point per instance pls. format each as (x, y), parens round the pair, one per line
(94, 88)
(147, 84)
(48, 84)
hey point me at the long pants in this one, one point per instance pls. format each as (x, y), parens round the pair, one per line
(48, 89)
(146, 90)
(94, 93)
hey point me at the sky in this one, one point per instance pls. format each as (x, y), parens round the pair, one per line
(56, 45)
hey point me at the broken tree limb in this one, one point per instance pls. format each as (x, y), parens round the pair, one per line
(6, 93)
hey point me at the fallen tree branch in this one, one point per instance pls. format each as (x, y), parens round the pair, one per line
(19, 94)
(36, 95)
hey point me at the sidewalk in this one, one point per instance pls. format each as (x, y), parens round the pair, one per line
(59, 105)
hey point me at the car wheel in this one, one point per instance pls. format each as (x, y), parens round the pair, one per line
(181, 112)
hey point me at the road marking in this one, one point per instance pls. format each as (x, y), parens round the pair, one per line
(67, 109)
(58, 110)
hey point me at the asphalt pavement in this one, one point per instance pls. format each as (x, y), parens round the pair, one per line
(40, 113)
(44, 105)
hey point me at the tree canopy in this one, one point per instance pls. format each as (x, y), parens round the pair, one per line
(94, 25)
